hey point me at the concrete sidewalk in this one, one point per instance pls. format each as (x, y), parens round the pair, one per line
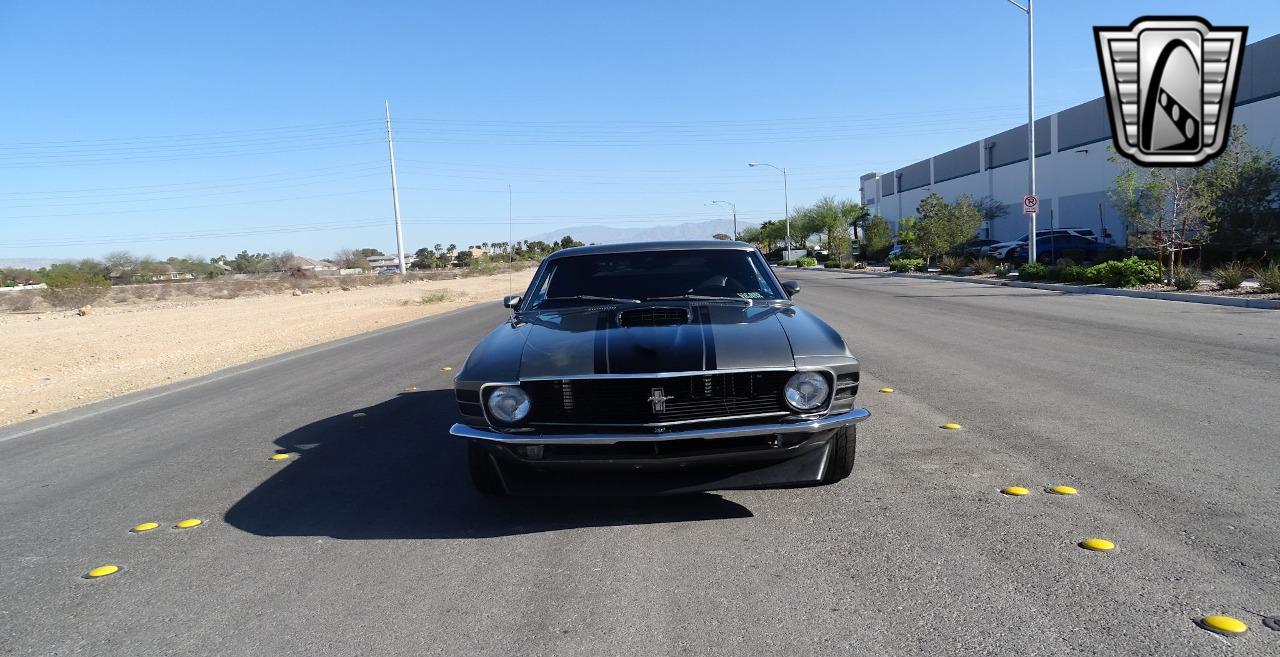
(1238, 302)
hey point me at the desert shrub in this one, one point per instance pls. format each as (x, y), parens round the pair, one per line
(807, 262)
(1186, 278)
(907, 264)
(1124, 273)
(1269, 276)
(1229, 275)
(984, 265)
(19, 301)
(433, 296)
(952, 264)
(1033, 271)
(1002, 270)
(71, 288)
(1073, 274)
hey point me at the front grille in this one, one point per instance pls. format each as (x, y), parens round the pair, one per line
(629, 401)
(653, 316)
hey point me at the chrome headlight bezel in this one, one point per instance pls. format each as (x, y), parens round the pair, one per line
(508, 405)
(807, 391)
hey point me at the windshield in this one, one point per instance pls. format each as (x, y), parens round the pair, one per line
(645, 275)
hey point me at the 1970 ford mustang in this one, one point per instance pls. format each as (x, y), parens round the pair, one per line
(657, 367)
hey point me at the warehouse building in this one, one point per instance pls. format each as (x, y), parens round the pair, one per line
(1073, 172)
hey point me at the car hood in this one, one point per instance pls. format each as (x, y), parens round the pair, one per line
(718, 336)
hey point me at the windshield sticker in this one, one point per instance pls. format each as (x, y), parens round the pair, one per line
(751, 295)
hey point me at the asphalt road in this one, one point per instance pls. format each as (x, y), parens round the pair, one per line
(370, 540)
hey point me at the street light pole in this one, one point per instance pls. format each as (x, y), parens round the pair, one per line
(786, 202)
(734, 207)
(1031, 121)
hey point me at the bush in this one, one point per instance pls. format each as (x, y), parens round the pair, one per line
(1269, 276)
(1229, 275)
(952, 264)
(1124, 273)
(907, 264)
(1033, 271)
(1002, 270)
(1074, 274)
(1186, 278)
(984, 265)
(70, 287)
(807, 262)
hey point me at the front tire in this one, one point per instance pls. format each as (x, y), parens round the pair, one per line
(841, 454)
(484, 472)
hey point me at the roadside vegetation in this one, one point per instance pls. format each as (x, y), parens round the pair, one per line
(120, 277)
(1213, 229)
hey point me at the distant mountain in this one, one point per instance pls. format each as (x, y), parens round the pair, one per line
(26, 263)
(597, 234)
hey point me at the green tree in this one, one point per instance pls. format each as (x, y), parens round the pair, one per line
(72, 285)
(368, 253)
(878, 238)
(1169, 209)
(1244, 183)
(463, 258)
(720, 236)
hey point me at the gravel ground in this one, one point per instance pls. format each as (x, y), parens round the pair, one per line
(59, 360)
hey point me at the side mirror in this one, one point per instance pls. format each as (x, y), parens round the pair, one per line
(792, 288)
(511, 301)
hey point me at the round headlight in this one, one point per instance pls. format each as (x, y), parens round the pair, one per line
(806, 390)
(509, 404)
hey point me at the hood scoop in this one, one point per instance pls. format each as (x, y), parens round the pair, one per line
(653, 316)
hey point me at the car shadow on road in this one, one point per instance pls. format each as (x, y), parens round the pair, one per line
(394, 472)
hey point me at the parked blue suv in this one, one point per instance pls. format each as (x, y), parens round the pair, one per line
(1052, 247)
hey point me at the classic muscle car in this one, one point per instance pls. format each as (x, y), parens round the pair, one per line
(657, 367)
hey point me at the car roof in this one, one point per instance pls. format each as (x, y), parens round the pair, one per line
(670, 245)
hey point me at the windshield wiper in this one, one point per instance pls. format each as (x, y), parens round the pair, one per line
(701, 297)
(590, 297)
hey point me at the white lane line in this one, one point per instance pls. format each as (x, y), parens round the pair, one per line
(214, 378)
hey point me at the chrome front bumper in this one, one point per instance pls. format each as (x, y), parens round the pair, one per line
(804, 426)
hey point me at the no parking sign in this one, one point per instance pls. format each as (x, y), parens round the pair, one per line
(1030, 204)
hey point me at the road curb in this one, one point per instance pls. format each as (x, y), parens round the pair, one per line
(1261, 304)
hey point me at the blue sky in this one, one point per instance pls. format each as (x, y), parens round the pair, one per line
(209, 127)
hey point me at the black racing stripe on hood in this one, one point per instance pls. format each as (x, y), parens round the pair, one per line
(602, 343)
(708, 338)
(649, 349)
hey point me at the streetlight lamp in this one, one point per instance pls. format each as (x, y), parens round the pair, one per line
(786, 202)
(734, 207)
(1031, 122)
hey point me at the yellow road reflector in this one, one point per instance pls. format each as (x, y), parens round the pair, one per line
(102, 571)
(1016, 491)
(1063, 490)
(951, 425)
(1223, 625)
(1097, 544)
(411, 388)
(144, 527)
(886, 390)
(357, 415)
(446, 369)
(189, 523)
(279, 457)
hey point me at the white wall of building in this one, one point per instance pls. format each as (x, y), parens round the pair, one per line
(1072, 183)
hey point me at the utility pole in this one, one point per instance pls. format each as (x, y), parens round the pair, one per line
(510, 238)
(786, 202)
(395, 192)
(734, 207)
(1031, 122)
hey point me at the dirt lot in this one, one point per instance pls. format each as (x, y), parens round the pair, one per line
(57, 360)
